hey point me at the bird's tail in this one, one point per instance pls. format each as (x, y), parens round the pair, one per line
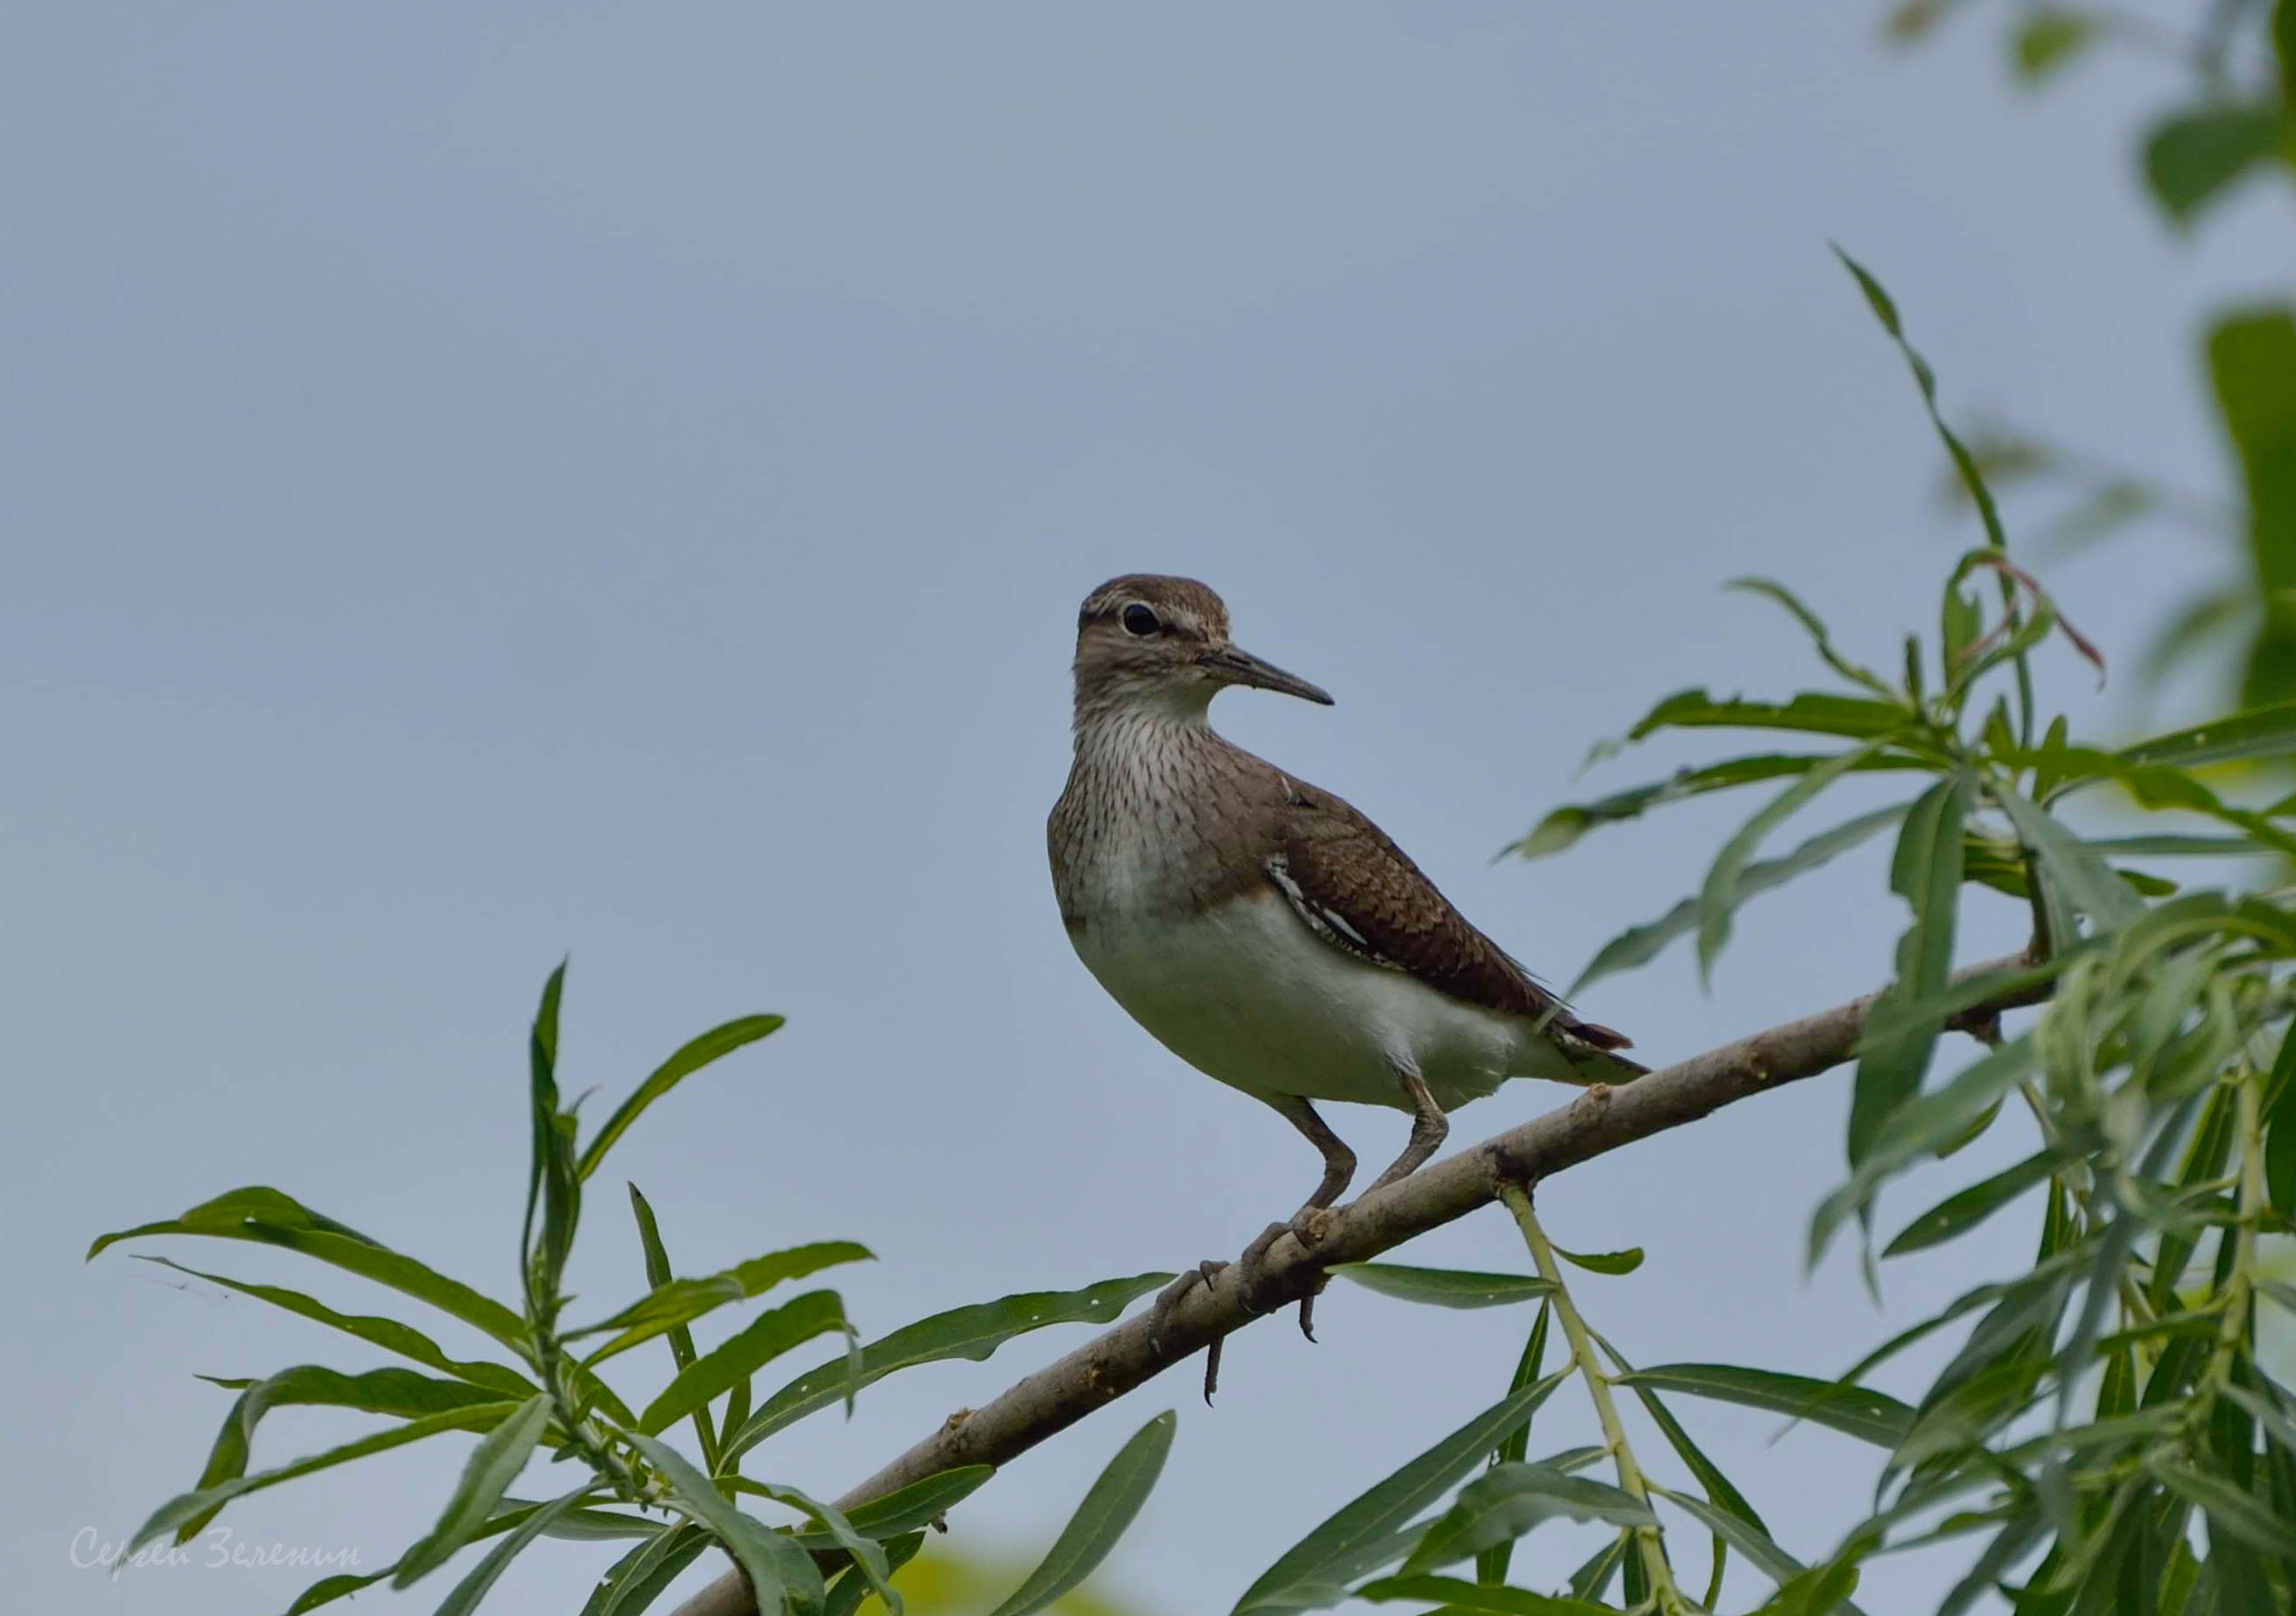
(1593, 1050)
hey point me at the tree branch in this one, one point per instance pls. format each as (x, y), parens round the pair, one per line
(1598, 1120)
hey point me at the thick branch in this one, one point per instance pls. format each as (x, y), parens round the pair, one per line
(1598, 1120)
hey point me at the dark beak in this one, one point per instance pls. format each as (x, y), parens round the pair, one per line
(1230, 665)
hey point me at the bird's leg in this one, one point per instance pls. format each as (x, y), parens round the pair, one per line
(1338, 1170)
(1428, 1128)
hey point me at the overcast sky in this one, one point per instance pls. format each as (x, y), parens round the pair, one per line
(487, 482)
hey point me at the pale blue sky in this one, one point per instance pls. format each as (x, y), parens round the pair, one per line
(487, 482)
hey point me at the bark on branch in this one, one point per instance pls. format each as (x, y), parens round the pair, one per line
(1599, 1120)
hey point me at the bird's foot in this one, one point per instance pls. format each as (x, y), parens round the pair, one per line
(1204, 1273)
(1308, 1226)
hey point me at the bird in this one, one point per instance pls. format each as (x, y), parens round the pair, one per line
(1263, 929)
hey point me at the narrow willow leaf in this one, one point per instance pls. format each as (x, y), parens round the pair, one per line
(867, 1556)
(1590, 1579)
(1858, 1411)
(1765, 1555)
(782, 1574)
(388, 1333)
(2229, 1508)
(483, 1576)
(1491, 1564)
(2270, 1418)
(1920, 1126)
(1509, 1500)
(1476, 1597)
(1718, 898)
(1772, 590)
(269, 1217)
(400, 1392)
(850, 1589)
(764, 1339)
(645, 1574)
(679, 1302)
(1719, 1487)
(1363, 1534)
(700, 1052)
(2267, 731)
(1108, 1508)
(493, 1465)
(1563, 827)
(1852, 718)
(971, 1332)
(1604, 1262)
(552, 1183)
(1926, 873)
(2280, 1132)
(1640, 945)
(904, 1508)
(1960, 1212)
(1443, 1287)
(177, 1510)
(326, 1590)
(681, 1338)
(2086, 881)
(515, 1514)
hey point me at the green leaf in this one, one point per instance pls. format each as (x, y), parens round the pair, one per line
(2086, 881)
(783, 1574)
(1770, 589)
(399, 1392)
(2280, 1135)
(2270, 1417)
(1491, 1564)
(388, 1333)
(681, 1338)
(2229, 1508)
(1765, 1555)
(1508, 1500)
(1851, 717)
(1465, 1596)
(551, 1181)
(971, 1332)
(1719, 1487)
(1639, 945)
(1563, 827)
(482, 1576)
(1960, 1212)
(2252, 362)
(1443, 1287)
(850, 1589)
(1926, 872)
(268, 1218)
(677, 1303)
(758, 1343)
(1719, 897)
(906, 1508)
(1108, 1508)
(493, 1465)
(1604, 1262)
(1590, 1579)
(2046, 40)
(1366, 1532)
(698, 1053)
(645, 1574)
(2193, 157)
(1919, 1128)
(866, 1556)
(203, 1502)
(1858, 1411)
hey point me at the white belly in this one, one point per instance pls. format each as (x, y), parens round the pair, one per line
(1246, 994)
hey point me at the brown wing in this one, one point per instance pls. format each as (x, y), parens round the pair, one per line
(1359, 892)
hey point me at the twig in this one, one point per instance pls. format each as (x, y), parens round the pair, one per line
(1598, 1391)
(1597, 1121)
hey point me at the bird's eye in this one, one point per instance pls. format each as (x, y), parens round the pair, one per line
(1139, 620)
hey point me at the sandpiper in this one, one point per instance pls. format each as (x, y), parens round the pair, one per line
(1260, 928)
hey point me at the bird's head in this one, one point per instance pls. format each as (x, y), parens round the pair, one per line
(1148, 641)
